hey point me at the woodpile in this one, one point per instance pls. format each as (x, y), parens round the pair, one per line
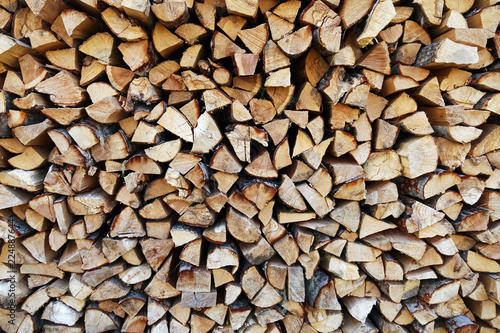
(250, 166)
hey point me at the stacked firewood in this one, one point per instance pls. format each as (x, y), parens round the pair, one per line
(256, 166)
